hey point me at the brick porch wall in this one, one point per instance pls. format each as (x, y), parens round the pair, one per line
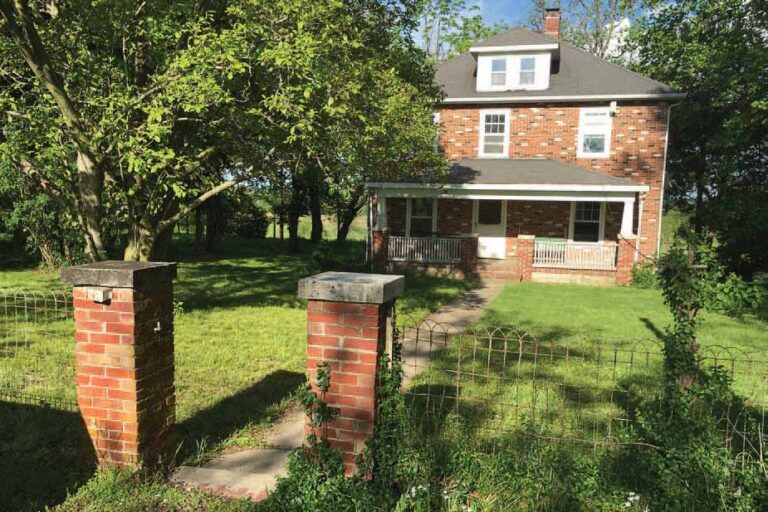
(551, 131)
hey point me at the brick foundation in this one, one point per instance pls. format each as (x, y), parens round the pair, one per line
(625, 259)
(525, 245)
(379, 245)
(125, 359)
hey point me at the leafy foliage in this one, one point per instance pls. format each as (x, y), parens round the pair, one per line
(715, 51)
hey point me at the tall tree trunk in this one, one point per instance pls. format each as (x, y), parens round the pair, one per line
(348, 214)
(199, 227)
(315, 209)
(700, 177)
(295, 210)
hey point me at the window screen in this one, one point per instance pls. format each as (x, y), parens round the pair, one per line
(421, 217)
(595, 131)
(586, 222)
(527, 70)
(489, 212)
(499, 72)
(494, 128)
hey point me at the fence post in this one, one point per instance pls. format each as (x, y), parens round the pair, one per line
(380, 246)
(469, 255)
(525, 245)
(349, 319)
(625, 258)
(125, 358)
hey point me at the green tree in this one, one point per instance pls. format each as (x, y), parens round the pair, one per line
(449, 27)
(132, 114)
(717, 52)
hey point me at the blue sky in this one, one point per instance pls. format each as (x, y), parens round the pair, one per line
(511, 11)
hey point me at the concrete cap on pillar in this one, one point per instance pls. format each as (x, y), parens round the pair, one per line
(119, 274)
(352, 287)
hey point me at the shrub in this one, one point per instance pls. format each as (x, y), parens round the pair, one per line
(644, 275)
(244, 216)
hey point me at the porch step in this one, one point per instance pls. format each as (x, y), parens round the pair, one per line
(498, 269)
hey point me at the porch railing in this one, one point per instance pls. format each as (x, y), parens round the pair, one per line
(574, 255)
(424, 249)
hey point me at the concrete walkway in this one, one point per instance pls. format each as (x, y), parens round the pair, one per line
(253, 473)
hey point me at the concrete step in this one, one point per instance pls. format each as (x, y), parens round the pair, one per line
(250, 474)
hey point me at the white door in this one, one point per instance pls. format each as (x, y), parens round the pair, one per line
(490, 221)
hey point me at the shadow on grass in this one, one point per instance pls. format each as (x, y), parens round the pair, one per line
(44, 453)
(233, 413)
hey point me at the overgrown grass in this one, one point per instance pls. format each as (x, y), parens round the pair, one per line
(240, 349)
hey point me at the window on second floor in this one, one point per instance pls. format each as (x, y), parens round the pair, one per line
(493, 133)
(527, 71)
(594, 132)
(499, 72)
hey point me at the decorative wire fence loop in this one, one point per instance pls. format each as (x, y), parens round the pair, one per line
(493, 384)
(37, 351)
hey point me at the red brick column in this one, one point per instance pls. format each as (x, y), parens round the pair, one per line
(625, 259)
(525, 245)
(379, 243)
(469, 256)
(347, 327)
(125, 358)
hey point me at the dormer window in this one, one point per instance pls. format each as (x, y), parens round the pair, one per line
(513, 72)
(527, 71)
(499, 72)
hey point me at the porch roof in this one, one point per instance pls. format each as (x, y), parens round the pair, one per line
(521, 174)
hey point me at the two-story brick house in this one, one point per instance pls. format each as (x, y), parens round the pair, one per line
(557, 171)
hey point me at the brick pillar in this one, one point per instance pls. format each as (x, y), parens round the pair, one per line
(347, 327)
(125, 358)
(525, 245)
(625, 259)
(469, 256)
(379, 242)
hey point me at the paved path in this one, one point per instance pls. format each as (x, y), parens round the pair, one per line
(253, 473)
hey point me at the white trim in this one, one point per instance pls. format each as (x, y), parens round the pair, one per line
(505, 143)
(514, 48)
(601, 222)
(607, 131)
(512, 187)
(587, 97)
(663, 185)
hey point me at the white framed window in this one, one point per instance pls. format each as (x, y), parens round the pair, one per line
(527, 71)
(494, 133)
(422, 217)
(499, 72)
(587, 221)
(594, 132)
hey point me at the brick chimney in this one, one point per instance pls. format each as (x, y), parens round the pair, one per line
(552, 22)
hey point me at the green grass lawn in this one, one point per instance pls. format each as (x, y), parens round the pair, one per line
(240, 348)
(572, 359)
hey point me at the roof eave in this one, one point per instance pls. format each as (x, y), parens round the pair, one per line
(671, 96)
(544, 187)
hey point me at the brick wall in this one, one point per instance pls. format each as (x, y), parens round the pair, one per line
(396, 209)
(551, 131)
(538, 218)
(454, 216)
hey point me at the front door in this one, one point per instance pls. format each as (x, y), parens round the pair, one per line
(490, 221)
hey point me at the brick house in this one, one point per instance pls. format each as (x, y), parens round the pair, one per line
(557, 167)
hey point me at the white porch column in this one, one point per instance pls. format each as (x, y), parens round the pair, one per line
(628, 216)
(381, 210)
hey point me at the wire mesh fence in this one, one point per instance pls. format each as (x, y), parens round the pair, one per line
(37, 349)
(491, 384)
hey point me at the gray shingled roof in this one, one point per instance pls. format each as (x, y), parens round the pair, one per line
(579, 73)
(526, 171)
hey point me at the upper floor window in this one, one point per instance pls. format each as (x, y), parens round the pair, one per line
(527, 70)
(493, 133)
(499, 72)
(594, 132)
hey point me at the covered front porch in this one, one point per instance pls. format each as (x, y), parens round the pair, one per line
(526, 219)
